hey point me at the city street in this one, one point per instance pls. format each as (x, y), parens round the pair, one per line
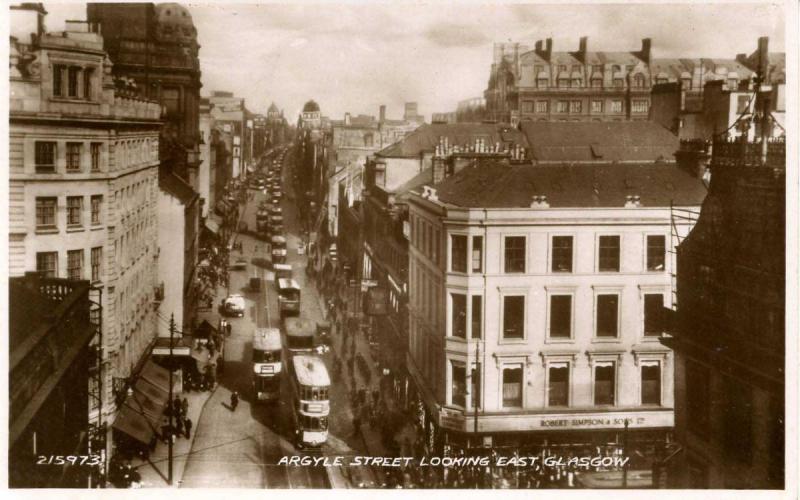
(242, 448)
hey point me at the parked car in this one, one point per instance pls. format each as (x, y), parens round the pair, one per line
(234, 305)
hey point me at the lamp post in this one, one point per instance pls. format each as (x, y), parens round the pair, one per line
(169, 401)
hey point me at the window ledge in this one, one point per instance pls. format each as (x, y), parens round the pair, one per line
(512, 341)
(96, 227)
(651, 339)
(74, 171)
(75, 229)
(606, 340)
(47, 230)
(45, 170)
(559, 340)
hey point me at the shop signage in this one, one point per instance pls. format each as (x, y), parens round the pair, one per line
(451, 420)
(600, 421)
(176, 351)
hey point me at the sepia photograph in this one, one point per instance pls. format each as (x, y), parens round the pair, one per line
(407, 246)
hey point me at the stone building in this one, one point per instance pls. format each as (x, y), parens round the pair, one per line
(536, 298)
(585, 85)
(51, 329)
(729, 334)
(725, 105)
(155, 46)
(83, 186)
(277, 127)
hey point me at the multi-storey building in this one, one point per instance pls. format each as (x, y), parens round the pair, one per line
(725, 105)
(542, 84)
(536, 299)
(83, 185)
(155, 46)
(230, 114)
(730, 336)
(51, 329)
(277, 127)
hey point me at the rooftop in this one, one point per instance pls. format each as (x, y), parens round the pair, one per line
(426, 137)
(599, 141)
(493, 184)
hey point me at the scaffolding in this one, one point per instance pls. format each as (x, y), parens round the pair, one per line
(682, 220)
(97, 432)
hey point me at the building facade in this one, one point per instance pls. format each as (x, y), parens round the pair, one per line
(584, 85)
(83, 185)
(729, 332)
(51, 329)
(536, 299)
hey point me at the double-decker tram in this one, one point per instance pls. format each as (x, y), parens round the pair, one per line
(267, 364)
(310, 403)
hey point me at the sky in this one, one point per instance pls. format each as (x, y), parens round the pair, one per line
(353, 57)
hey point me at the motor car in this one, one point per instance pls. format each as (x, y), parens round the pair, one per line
(240, 263)
(234, 305)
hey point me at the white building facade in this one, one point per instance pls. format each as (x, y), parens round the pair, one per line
(83, 185)
(546, 319)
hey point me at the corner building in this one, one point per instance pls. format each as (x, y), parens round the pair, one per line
(83, 186)
(535, 318)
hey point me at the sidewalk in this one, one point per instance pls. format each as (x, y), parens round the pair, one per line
(154, 470)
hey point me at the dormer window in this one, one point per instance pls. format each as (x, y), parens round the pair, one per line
(639, 81)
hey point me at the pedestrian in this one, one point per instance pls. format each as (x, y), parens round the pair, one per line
(179, 426)
(356, 424)
(185, 406)
(234, 400)
(187, 425)
(176, 407)
(228, 328)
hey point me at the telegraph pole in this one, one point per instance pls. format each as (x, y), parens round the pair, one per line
(169, 401)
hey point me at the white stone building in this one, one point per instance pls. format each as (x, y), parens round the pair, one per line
(550, 283)
(83, 184)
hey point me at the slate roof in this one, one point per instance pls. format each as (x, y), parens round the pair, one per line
(493, 184)
(599, 141)
(426, 137)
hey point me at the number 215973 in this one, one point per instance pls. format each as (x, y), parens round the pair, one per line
(68, 459)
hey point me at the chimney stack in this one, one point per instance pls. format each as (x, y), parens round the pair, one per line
(538, 46)
(548, 48)
(382, 113)
(347, 119)
(582, 46)
(646, 50)
(763, 57)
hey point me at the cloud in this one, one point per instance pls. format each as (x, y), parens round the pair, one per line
(454, 35)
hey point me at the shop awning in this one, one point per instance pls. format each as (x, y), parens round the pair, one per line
(148, 400)
(134, 425)
(156, 375)
(180, 347)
